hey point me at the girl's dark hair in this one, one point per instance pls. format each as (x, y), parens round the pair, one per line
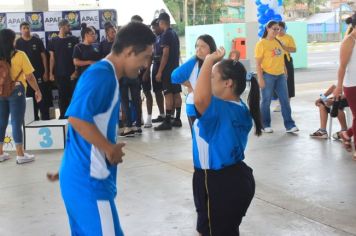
(7, 48)
(351, 21)
(85, 30)
(211, 43)
(235, 71)
(108, 25)
(269, 25)
(282, 24)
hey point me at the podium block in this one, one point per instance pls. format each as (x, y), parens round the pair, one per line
(42, 135)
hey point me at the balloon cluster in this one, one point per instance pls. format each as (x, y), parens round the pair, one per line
(268, 10)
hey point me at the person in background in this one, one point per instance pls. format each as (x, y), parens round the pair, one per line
(271, 75)
(169, 61)
(86, 52)
(61, 67)
(289, 47)
(20, 71)
(187, 73)
(234, 55)
(324, 109)
(347, 81)
(36, 53)
(149, 77)
(106, 44)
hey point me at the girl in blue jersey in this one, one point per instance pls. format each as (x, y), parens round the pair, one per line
(223, 185)
(187, 73)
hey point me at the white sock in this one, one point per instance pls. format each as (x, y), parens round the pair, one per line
(149, 119)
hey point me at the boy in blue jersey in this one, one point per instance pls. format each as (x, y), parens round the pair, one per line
(223, 185)
(88, 172)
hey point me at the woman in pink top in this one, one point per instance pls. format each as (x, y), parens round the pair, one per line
(347, 80)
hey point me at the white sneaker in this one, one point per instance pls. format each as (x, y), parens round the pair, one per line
(277, 108)
(5, 156)
(267, 130)
(292, 130)
(148, 125)
(25, 159)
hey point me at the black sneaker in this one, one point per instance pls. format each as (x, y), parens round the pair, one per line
(163, 126)
(158, 119)
(138, 130)
(177, 123)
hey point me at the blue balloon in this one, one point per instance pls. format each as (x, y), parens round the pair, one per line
(280, 2)
(258, 2)
(263, 19)
(277, 18)
(262, 8)
(269, 14)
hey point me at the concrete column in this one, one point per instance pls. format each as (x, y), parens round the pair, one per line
(251, 31)
(36, 5)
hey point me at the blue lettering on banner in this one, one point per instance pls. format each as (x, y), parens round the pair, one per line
(47, 139)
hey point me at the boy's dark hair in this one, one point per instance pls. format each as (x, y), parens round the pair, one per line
(108, 25)
(25, 23)
(134, 34)
(164, 17)
(351, 21)
(62, 23)
(155, 22)
(236, 71)
(136, 18)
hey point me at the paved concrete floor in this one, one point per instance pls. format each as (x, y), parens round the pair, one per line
(304, 186)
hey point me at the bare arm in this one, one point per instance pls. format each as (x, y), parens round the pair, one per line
(203, 92)
(45, 65)
(188, 85)
(260, 79)
(345, 54)
(51, 65)
(78, 62)
(92, 134)
(164, 60)
(30, 78)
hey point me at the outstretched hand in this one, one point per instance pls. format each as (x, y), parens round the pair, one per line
(217, 55)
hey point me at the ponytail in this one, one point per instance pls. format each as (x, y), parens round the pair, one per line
(254, 105)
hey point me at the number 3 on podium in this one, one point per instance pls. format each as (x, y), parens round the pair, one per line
(47, 140)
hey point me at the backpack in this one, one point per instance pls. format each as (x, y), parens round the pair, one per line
(7, 84)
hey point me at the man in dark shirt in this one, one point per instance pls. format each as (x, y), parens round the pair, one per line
(106, 44)
(169, 61)
(34, 49)
(61, 64)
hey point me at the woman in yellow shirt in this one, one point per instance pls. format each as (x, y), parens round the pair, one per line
(289, 47)
(271, 76)
(22, 70)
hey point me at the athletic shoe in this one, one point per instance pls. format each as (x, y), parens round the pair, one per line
(158, 119)
(319, 134)
(138, 130)
(5, 156)
(25, 158)
(177, 123)
(163, 126)
(292, 130)
(267, 130)
(128, 132)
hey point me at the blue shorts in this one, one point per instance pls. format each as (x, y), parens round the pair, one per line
(91, 217)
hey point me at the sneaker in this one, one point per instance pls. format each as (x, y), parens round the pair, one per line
(128, 132)
(319, 134)
(158, 119)
(147, 125)
(177, 123)
(25, 158)
(267, 130)
(277, 108)
(336, 136)
(292, 130)
(163, 126)
(5, 156)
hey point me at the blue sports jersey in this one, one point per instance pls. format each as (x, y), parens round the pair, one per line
(188, 71)
(220, 134)
(96, 100)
